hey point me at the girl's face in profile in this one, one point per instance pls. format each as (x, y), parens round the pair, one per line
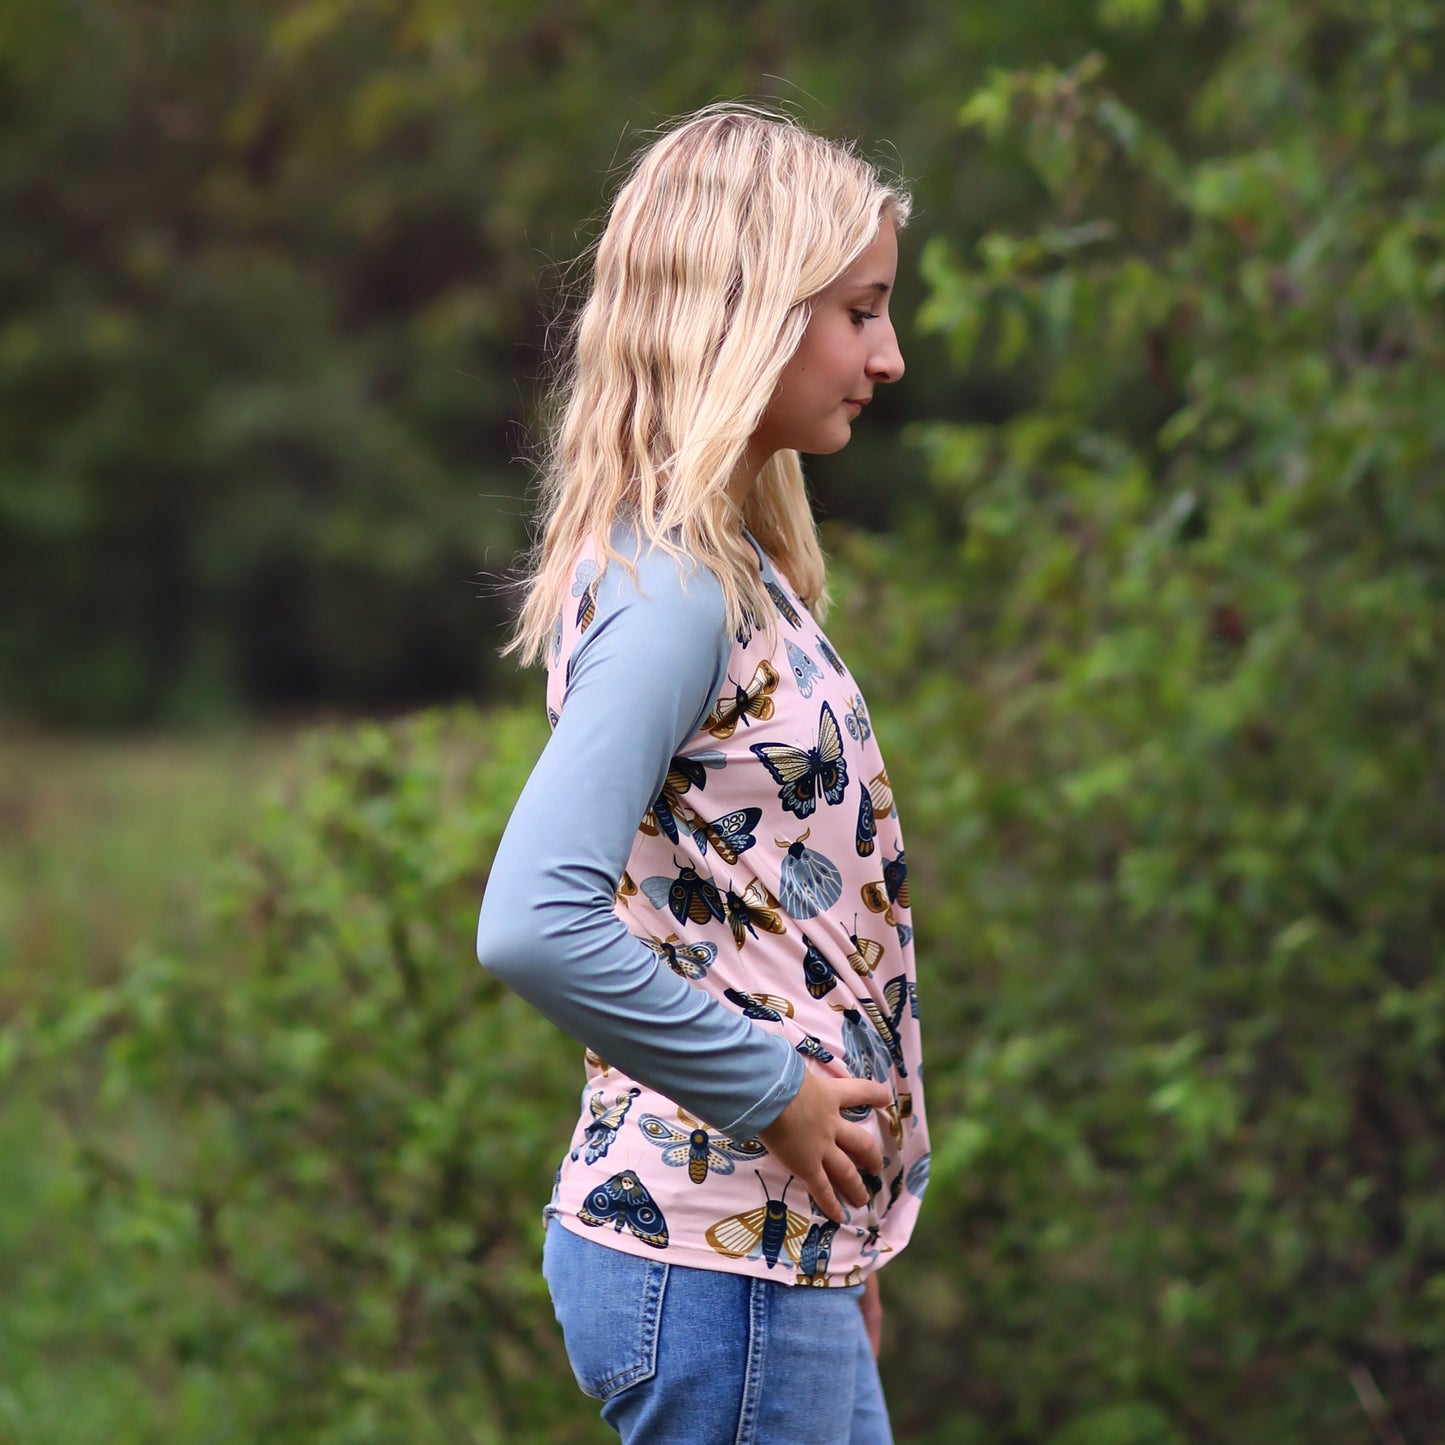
(848, 349)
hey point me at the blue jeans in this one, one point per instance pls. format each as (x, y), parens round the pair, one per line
(684, 1356)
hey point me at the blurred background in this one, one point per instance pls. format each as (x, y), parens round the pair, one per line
(1142, 570)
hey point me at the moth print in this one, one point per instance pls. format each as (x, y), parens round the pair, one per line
(689, 897)
(624, 1203)
(767, 1232)
(805, 671)
(808, 882)
(687, 960)
(756, 908)
(697, 1150)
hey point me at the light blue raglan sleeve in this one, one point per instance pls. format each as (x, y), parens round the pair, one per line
(643, 678)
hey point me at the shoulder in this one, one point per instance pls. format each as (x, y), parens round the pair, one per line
(671, 594)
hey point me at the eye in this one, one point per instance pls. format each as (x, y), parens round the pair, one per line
(859, 317)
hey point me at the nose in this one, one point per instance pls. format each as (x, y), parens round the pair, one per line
(886, 362)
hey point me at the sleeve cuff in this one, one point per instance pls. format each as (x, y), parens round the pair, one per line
(778, 1097)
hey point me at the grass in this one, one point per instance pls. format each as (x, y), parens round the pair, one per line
(103, 845)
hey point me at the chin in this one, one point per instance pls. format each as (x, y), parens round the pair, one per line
(822, 446)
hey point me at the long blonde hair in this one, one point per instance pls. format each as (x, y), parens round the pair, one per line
(729, 224)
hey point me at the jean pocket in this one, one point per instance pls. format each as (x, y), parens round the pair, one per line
(609, 1305)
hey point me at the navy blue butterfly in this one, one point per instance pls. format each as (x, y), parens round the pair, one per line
(730, 835)
(624, 1203)
(803, 773)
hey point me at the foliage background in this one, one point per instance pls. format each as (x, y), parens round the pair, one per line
(1141, 569)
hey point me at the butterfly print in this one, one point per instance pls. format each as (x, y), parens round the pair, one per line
(688, 960)
(856, 719)
(895, 994)
(690, 770)
(769, 1007)
(880, 897)
(699, 1150)
(867, 828)
(757, 908)
(689, 897)
(585, 588)
(753, 701)
(606, 1121)
(729, 835)
(626, 889)
(805, 772)
(623, 1202)
(865, 952)
(818, 973)
(556, 639)
(805, 671)
(808, 883)
(553, 718)
(781, 602)
(882, 795)
(767, 1232)
(813, 1256)
(596, 1061)
(829, 656)
(811, 1047)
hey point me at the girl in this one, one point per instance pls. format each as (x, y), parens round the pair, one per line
(704, 878)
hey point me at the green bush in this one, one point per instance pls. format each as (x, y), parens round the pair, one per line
(1163, 700)
(1157, 667)
(330, 1134)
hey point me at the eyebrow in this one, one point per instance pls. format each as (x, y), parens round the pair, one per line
(880, 288)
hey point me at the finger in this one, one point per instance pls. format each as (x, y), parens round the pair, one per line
(846, 1179)
(862, 1148)
(852, 1092)
(824, 1198)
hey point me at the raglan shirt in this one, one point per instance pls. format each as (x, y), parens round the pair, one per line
(704, 880)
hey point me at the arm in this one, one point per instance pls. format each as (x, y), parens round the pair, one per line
(642, 679)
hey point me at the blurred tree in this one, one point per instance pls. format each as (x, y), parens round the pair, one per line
(271, 318)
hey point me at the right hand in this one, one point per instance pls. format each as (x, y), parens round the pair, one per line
(822, 1148)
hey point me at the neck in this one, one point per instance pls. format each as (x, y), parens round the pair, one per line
(745, 476)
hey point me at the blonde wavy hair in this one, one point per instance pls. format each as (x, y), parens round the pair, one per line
(727, 227)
